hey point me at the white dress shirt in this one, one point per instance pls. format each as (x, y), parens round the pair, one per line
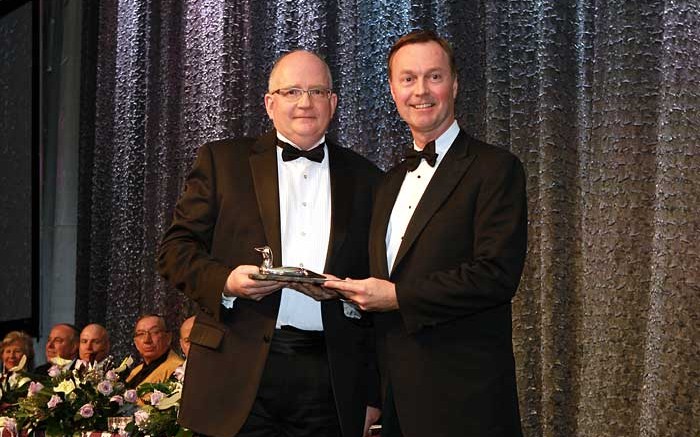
(305, 225)
(412, 189)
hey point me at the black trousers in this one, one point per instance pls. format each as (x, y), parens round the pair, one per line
(295, 397)
(390, 419)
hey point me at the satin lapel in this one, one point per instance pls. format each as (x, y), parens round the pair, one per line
(263, 166)
(443, 182)
(342, 182)
(383, 205)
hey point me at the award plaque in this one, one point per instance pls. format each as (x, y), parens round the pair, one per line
(283, 274)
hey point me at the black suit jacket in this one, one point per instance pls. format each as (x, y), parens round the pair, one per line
(447, 351)
(229, 206)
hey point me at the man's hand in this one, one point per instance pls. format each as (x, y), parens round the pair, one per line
(239, 284)
(316, 291)
(369, 294)
(371, 417)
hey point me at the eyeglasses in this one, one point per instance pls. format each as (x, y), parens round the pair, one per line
(295, 94)
(141, 335)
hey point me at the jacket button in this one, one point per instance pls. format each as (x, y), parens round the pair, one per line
(267, 338)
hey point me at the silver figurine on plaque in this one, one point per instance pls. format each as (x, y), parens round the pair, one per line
(285, 274)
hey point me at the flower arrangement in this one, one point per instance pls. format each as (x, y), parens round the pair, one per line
(74, 400)
(83, 398)
(158, 415)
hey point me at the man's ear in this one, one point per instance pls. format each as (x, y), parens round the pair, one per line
(269, 105)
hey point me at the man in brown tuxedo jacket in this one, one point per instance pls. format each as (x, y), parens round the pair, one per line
(265, 362)
(447, 248)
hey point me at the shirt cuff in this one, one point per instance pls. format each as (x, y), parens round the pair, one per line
(227, 301)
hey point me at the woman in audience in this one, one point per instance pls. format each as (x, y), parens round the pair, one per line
(14, 346)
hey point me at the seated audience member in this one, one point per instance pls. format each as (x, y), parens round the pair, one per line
(14, 346)
(94, 343)
(62, 343)
(152, 340)
(185, 330)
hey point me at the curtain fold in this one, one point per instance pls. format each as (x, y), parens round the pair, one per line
(598, 99)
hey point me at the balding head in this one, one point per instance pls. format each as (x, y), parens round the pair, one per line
(62, 342)
(94, 343)
(185, 330)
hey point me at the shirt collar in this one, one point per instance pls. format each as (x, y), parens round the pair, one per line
(286, 140)
(444, 141)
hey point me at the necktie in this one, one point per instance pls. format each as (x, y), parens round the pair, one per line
(413, 156)
(290, 153)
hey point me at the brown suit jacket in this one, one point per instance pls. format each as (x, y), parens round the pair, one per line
(231, 205)
(447, 351)
(161, 373)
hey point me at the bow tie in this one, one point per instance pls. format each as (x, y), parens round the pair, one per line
(290, 153)
(413, 156)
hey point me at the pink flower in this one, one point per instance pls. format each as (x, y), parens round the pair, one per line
(179, 373)
(9, 424)
(156, 397)
(118, 399)
(34, 388)
(130, 396)
(112, 375)
(105, 387)
(140, 417)
(53, 402)
(86, 411)
(54, 371)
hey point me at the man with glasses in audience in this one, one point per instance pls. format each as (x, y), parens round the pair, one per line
(152, 340)
(265, 359)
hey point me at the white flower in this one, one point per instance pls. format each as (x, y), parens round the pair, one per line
(66, 386)
(170, 401)
(128, 361)
(61, 362)
(17, 380)
(21, 364)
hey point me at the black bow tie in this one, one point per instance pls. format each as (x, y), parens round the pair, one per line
(290, 153)
(414, 156)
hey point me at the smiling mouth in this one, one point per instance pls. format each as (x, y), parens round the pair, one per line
(423, 106)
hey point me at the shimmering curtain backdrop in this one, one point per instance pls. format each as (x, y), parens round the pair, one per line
(600, 100)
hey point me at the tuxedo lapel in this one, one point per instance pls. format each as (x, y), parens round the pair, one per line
(342, 182)
(384, 204)
(263, 166)
(443, 182)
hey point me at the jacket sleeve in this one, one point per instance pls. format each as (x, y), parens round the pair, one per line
(184, 257)
(489, 277)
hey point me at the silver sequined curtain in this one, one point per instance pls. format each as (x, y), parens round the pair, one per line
(599, 99)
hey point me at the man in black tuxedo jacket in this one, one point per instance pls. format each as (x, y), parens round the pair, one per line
(265, 362)
(447, 248)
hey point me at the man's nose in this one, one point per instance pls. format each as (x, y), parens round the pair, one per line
(305, 100)
(420, 87)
